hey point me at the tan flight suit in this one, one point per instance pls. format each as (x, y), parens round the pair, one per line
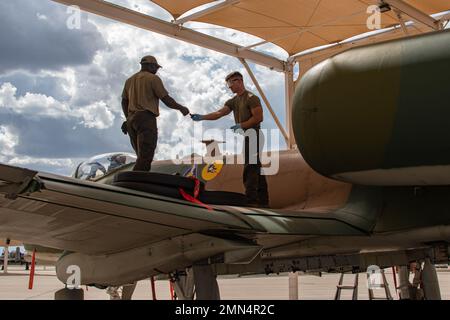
(143, 92)
(255, 183)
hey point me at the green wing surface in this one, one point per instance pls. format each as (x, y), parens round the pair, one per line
(94, 218)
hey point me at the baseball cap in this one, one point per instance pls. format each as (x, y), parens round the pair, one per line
(150, 59)
(234, 74)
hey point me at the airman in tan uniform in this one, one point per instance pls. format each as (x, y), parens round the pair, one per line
(140, 105)
(248, 114)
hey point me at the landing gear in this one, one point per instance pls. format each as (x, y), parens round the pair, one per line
(128, 290)
(201, 281)
(430, 281)
(125, 294)
(404, 285)
(113, 293)
(425, 285)
(184, 285)
(206, 286)
(69, 294)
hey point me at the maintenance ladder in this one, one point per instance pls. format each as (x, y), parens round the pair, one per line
(384, 285)
(341, 287)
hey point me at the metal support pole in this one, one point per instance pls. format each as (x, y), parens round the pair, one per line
(33, 265)
(266, 101)
(5, 259)
(289, 97)
(402, 22)
(293, 286)
(394, 275)
(171, 289)
(404, 284)
(152, 281)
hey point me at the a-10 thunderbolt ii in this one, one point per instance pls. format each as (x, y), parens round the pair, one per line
(370, 186)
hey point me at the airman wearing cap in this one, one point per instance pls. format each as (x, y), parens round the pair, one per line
(140, 105)
(150, 60)
(248, 115)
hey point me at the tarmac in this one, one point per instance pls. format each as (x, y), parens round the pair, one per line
(14, 286)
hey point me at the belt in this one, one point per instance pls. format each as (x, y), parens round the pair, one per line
(135, 112)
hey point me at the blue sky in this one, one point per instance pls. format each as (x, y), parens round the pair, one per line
(60, 88)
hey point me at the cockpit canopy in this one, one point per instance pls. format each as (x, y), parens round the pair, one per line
(100, 165)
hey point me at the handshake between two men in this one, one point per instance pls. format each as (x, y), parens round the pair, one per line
(196, 117)
(145, 88)
(199, 117)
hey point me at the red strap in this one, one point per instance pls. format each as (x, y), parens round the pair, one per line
(194, 199)
(196, 187)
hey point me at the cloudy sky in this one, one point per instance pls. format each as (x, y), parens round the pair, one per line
(60, 88)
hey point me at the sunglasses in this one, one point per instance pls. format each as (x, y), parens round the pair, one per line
(231, 81)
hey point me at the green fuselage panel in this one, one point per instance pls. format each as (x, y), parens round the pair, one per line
(381, 106)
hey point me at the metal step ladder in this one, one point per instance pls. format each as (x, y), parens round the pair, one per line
(341, 287)
(384, 285)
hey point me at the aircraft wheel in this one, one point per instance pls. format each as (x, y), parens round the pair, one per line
(69, 294)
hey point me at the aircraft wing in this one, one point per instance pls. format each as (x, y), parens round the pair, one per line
(93, 218)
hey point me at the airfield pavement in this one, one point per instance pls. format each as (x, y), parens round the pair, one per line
(14, 286)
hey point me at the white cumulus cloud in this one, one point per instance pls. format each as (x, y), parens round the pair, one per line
(8, 140)
(97, 115)
(81, 101)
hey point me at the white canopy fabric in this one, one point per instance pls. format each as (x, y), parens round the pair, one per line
(297, 25)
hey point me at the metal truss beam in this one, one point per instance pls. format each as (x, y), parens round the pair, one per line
(415, 14)
(266, 101)
(209, 10)
(146, 22)
(402, 21)
(340, 46)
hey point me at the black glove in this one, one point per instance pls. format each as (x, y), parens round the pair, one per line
(124, 127)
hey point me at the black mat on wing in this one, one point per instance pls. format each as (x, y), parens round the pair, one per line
(223, 198)
(168, 180)
(208, 197)
(159, 189)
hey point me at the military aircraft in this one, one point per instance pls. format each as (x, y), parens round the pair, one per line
(369, 186)
(15, 257)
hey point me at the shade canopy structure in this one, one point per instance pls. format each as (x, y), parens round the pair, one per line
(309, 31)
(297, 25)
(177, 8)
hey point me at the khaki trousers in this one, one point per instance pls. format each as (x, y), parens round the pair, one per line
(143, 132)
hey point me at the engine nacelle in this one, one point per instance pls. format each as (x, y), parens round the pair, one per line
(379, 114)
